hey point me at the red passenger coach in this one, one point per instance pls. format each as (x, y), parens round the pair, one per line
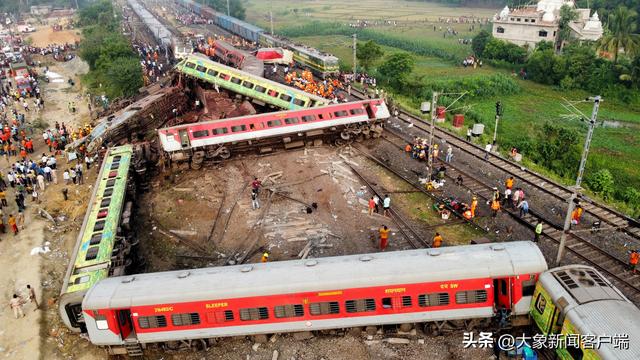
(416, 286)
(294, 128)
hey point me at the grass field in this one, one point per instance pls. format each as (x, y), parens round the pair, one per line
(614, 146)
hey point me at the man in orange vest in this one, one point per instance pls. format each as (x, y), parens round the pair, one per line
(265, 257)
(384, 237)
(437, 241)
(509, 183)
(576, 214)
(633, 260)
(495, 207)
(474, 205)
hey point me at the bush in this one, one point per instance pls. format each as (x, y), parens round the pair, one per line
(602, 183)
(632, 197)
(501, 50)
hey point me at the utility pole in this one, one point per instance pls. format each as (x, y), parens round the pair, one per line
(355, 47)
(271, 19)
(498, 114)
(432, 125)
(576, 188)
(228, 11)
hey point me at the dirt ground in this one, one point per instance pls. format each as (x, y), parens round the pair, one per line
(44, 36)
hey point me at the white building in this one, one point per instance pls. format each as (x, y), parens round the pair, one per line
(529, 25)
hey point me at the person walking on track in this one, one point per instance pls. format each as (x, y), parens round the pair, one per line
(384, 237)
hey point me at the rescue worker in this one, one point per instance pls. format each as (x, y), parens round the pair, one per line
(16, 305)
(538, 232)
(467, 214)
(265, 257)
(495, 207)
(437, 241)
(509, 183)
(633, 260)
(496, 194)
(384, 237)
(408, 148)
(474, 206)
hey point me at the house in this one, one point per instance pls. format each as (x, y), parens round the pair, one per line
(529, 25)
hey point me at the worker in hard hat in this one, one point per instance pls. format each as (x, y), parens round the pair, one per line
(265, 257)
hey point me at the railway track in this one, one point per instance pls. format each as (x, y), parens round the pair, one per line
(413, 237)
(576, 244)
(560, 192)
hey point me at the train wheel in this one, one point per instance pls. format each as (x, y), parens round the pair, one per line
(345, 135)
(359, 138)
(340, 142)
(224, 153)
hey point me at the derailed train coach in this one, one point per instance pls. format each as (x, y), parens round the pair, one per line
(427, 286)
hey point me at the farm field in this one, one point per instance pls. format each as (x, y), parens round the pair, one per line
(528, 110)
(525, 111)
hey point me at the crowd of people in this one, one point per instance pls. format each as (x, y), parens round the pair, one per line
(304, 81)
(150, 61)
(60, 52)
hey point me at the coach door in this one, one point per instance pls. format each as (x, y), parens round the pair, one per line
(125, 324)
(184, 138)
(502, 293)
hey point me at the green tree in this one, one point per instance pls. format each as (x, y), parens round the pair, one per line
(557, 149)
(544, 45)
(567, 15)
(545, 67)
(396, 67)
(124, 76)
(480, 41)
(621, 26)
(98, 13)
(368, 53)
(602, 183)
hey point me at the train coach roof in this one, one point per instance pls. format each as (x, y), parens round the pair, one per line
(244, 24)
(322, 274)
(609, 318)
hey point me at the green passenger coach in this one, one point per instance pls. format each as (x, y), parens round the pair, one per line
(260, 90)
(99, 247)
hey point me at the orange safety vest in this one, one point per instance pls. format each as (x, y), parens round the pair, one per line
(467, 214)
(633, 259)
(407, 148)
(437, 241)
(495, 205)
(509, 183)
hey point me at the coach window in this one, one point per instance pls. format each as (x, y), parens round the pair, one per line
(220, 131)
(324, 308)
(247, 84)
(285, 97)
(101, 322)
(220, 316)
(81, 280)
(299, 102)
(290, 121)
(224, 76)
(286, 311)
(238, 128)
(99, 225)
(356, 111)
(340, 113)
(260, 89)
(150, 322)
(201, 68)
(105, 202)
(200, 133)
(111, 183)
(260, 313)
(471, 296)
(360, 305)
(528, 286)
(236, 80)
(386, 303)
(273, 123)
(273, 93)
(212, 72)
(433, 299)
(190, 65)
(92, 253)
(95, 239)
(541, 303)
(185, 319)
(308, 118)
